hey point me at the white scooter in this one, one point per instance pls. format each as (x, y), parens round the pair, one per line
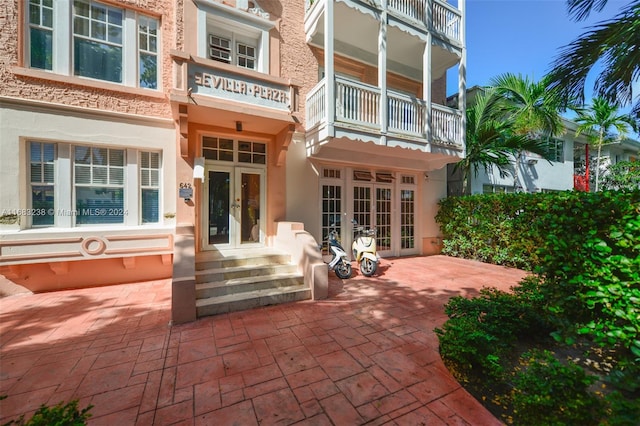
(340, 263)
(364, 249)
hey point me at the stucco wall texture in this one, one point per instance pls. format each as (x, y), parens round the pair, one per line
(19, 82)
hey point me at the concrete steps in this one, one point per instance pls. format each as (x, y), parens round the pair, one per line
(240, 280)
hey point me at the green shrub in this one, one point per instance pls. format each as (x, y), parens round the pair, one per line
(481, 331)
(59, 415)
(552, 393)
(610, 287)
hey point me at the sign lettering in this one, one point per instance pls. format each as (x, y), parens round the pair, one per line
(232, 85)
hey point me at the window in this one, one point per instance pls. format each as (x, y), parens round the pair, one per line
(246, 56)
(220, 50)
(217, 149)
(89, 39)
(221, 149)
(41, 34)
(100, 179)
(252, 152)
(42, 180)
(556, 149)
(149, 186)
(148, 52)
(99, 185)
(497, 189)
(97, 41)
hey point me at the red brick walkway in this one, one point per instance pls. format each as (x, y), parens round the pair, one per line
(367, 355)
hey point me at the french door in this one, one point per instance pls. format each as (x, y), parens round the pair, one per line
(372, 209)
(234, 198)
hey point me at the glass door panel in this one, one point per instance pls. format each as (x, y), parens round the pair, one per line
(248, 201)
(219, 211)
(383, 219)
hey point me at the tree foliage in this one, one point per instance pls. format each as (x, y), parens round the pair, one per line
(603, 123)
(507, 118)
(622, 175)
(614, 44)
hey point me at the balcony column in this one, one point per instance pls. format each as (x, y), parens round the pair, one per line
(382, 72)
(329, 71)
(462, 76)
(426, 78)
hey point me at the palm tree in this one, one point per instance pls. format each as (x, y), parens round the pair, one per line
(599, 120)
(614, 43)
(531, 108)
(491, 141)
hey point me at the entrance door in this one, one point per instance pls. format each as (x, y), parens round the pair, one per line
(372, 209)
(234, 200)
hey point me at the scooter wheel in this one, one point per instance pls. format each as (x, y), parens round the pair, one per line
(368, 267)
(343, 270)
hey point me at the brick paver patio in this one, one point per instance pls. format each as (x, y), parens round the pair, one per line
(367, 355)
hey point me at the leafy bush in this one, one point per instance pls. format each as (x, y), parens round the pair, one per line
(59, 415)
(481, 331)
(493, 228)
(550, 392)
(590, 265)
(622, 175)
(611, 281)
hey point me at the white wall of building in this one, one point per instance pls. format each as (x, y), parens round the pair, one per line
(22, 122)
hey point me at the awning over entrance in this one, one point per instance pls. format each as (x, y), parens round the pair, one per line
(348, 151)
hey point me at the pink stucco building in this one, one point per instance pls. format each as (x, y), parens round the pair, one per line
(212, 141)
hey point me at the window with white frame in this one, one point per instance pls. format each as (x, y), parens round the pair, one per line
(97, 192)
(148, 52)
(149, 187)
(234, 151)
(42, 182)
(41, 34)
(99, 185)
(89, 39)
(221, 49)
(233, 37)
(555, 147)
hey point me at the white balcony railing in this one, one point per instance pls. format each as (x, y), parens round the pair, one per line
(358, 104)
(315, 105)
(446, 19)
(414, 9)
(446, 125)
(406, 114)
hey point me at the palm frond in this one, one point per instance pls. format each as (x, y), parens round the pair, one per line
(616, 43)
(581, 9)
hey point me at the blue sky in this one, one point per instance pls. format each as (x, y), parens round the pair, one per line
(521, 36)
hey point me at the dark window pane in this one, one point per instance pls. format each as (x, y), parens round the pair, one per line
(41, 49)
(99, 205)
(97, 60)
(150, 205)
(42, 202)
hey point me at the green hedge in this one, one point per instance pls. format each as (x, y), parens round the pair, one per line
(511, 229)
(585, 251)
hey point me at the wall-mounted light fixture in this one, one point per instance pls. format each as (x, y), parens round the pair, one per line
(238, 126)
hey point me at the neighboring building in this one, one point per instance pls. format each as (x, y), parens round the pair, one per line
(536, 174)
(610, 154)
(565, 171)
(220, 125)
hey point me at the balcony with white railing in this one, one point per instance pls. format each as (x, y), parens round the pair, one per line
(357, 108)
(445, 21)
